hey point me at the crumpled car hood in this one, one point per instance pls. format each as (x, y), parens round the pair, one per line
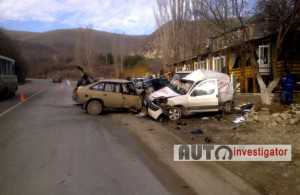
(164, 92)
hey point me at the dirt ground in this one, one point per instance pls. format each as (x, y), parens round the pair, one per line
(267, 177)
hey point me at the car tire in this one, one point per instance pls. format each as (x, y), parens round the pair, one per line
(94, 107)
(161, 119)
(175, 113)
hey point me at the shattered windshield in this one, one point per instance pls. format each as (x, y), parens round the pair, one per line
(181, 86)
(179, 76)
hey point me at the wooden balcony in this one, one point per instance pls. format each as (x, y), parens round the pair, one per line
(242, 72)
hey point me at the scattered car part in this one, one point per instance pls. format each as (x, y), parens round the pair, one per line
(197, 131)
(238, 120)
(207, 140)
(57, 79)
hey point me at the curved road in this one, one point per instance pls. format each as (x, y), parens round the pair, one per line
(49, 146)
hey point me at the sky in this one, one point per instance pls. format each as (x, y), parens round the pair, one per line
(134, 17)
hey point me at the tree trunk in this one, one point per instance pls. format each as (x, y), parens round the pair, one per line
(266, 94)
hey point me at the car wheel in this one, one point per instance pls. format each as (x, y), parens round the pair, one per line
(161, 119)
(94, 107)
(175, 113)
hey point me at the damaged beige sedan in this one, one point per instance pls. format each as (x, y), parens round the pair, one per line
(113, 94)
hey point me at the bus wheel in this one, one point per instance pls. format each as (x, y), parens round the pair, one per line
(5, 93)
(12, 94)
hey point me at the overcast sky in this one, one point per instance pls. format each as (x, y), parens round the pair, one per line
(119, 16)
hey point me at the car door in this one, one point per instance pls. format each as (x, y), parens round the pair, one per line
(130, 98)
(96, 91)
(112, 96)
(204, 97)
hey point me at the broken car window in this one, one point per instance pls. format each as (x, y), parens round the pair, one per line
(118, 88)
(109, 87)
(98, 87)
(206, 88)
(129, 89)
(181, 86)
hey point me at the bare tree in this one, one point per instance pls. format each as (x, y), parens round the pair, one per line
(281, 17)
(118, 53)
(85, 54)
(227, 15)
(179, 37)
(224, 15)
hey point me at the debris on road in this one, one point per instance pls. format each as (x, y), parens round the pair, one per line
(239, 119)
(296, 108)
(197, 131)
(207, 140)
(265, 117)
(218, 117)
(205, 118)
(141, 115)
(245, 106)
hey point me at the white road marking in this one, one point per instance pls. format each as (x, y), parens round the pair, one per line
(20, 103)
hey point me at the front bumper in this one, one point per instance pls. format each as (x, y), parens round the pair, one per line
(154, 110)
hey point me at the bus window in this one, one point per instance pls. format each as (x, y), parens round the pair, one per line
(13, 69)
(5, 68)
(8, 78)
(10, 65)
(1, 67)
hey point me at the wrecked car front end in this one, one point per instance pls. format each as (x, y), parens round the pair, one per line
(158, 103)
(157, 107)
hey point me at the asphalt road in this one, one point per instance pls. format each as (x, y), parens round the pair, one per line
(49, 146)
(26, 90)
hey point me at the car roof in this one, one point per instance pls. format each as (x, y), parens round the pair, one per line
(114, 80)
(201, 74)
(184, 72)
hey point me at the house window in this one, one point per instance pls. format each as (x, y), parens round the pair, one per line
(237, 62)
(264, 59)
(196, 66)
(219, 64)
(209, 64)
(203, 64)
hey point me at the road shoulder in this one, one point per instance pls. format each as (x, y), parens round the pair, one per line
(202, 177)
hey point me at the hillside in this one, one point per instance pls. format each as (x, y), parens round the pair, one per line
(43, 50)
(46, 50)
